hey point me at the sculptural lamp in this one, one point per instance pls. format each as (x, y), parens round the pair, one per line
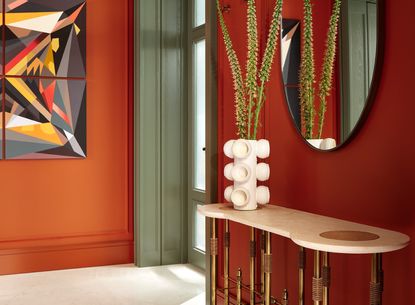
(245, 171)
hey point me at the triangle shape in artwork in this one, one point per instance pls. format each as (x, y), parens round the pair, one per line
(18, 121)
(16, 149)
(44, 132)
(40, 22)
(63, 151)
(76, 68)
(49, 94)
(74, 143)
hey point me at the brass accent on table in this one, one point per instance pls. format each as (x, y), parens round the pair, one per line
(349, 235)
(326, 278)
(267, 269)
(227, 241)
(301, 275)
(213, 253)
(252, 254)
(262, 244)
(376, 283)
(317, 280)
(239, 287)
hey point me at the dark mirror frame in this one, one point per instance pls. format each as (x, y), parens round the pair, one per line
(374, 86)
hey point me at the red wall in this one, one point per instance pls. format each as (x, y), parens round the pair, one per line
(58, 214)
(371, 180)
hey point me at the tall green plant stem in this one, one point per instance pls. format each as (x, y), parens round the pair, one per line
(252, 61)
(307, 74)
(258, 108)
(249, 96)
(267, 60)
(328, 65)
(238, 84)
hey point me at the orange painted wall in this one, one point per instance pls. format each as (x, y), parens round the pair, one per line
(58, 214)
(371, 180)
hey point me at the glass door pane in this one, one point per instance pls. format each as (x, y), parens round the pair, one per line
(199, 120)
(199, 12)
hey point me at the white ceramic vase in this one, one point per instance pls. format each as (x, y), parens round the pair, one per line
(245, 171)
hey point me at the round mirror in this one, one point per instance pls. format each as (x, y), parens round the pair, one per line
(330, 73)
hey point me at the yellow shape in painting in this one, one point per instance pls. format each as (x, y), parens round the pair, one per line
(16, 17)
(34, 66)
(49, 61)
(47, 128)
(55, 44)
(27, 128)
(77, 29)
(44, 132)
(23, 89)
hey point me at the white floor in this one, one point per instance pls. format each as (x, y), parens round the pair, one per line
(112, 285)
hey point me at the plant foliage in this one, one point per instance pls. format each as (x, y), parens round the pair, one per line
(307, 71)
(249, 94)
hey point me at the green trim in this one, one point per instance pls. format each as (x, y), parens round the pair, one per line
(161, 172)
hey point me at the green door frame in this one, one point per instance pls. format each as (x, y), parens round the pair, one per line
(151, 36)
(161, 103)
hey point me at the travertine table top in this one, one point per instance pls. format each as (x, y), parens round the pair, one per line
(313, 231)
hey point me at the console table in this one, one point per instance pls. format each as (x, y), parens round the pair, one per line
(322, 234)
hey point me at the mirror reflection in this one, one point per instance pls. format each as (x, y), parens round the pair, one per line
(328, 60)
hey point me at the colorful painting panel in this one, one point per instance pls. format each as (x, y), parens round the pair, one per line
(1, 122)
(1, 45)
(45, 38)
(45, 118)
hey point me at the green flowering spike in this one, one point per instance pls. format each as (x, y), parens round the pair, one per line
(238, 83)
(251, 66)
(328, 65)
(307, 74)
(271, 45)
(267, 60)
(252, 60)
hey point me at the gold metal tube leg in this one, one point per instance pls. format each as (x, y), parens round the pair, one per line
(252, 254)
(380, 275)
(301, 272)
(239, 287)
(326, 278)
(226, 262)
(267, 269)
(213, 254)
(262, 265)
(317, 280)
(376, 285)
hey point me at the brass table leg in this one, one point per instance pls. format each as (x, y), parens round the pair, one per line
(376, 283)
(317, 280)
(262, 244)
(326, 278)
(267, 269)
(239, 287)
(301, 272)
(226, 262)
(252, 254)
(213, 254)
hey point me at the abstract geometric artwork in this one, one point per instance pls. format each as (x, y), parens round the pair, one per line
(44, 118)
(45, 38)
(43, 79)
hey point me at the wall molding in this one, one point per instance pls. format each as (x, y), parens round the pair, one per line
(55, 257)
